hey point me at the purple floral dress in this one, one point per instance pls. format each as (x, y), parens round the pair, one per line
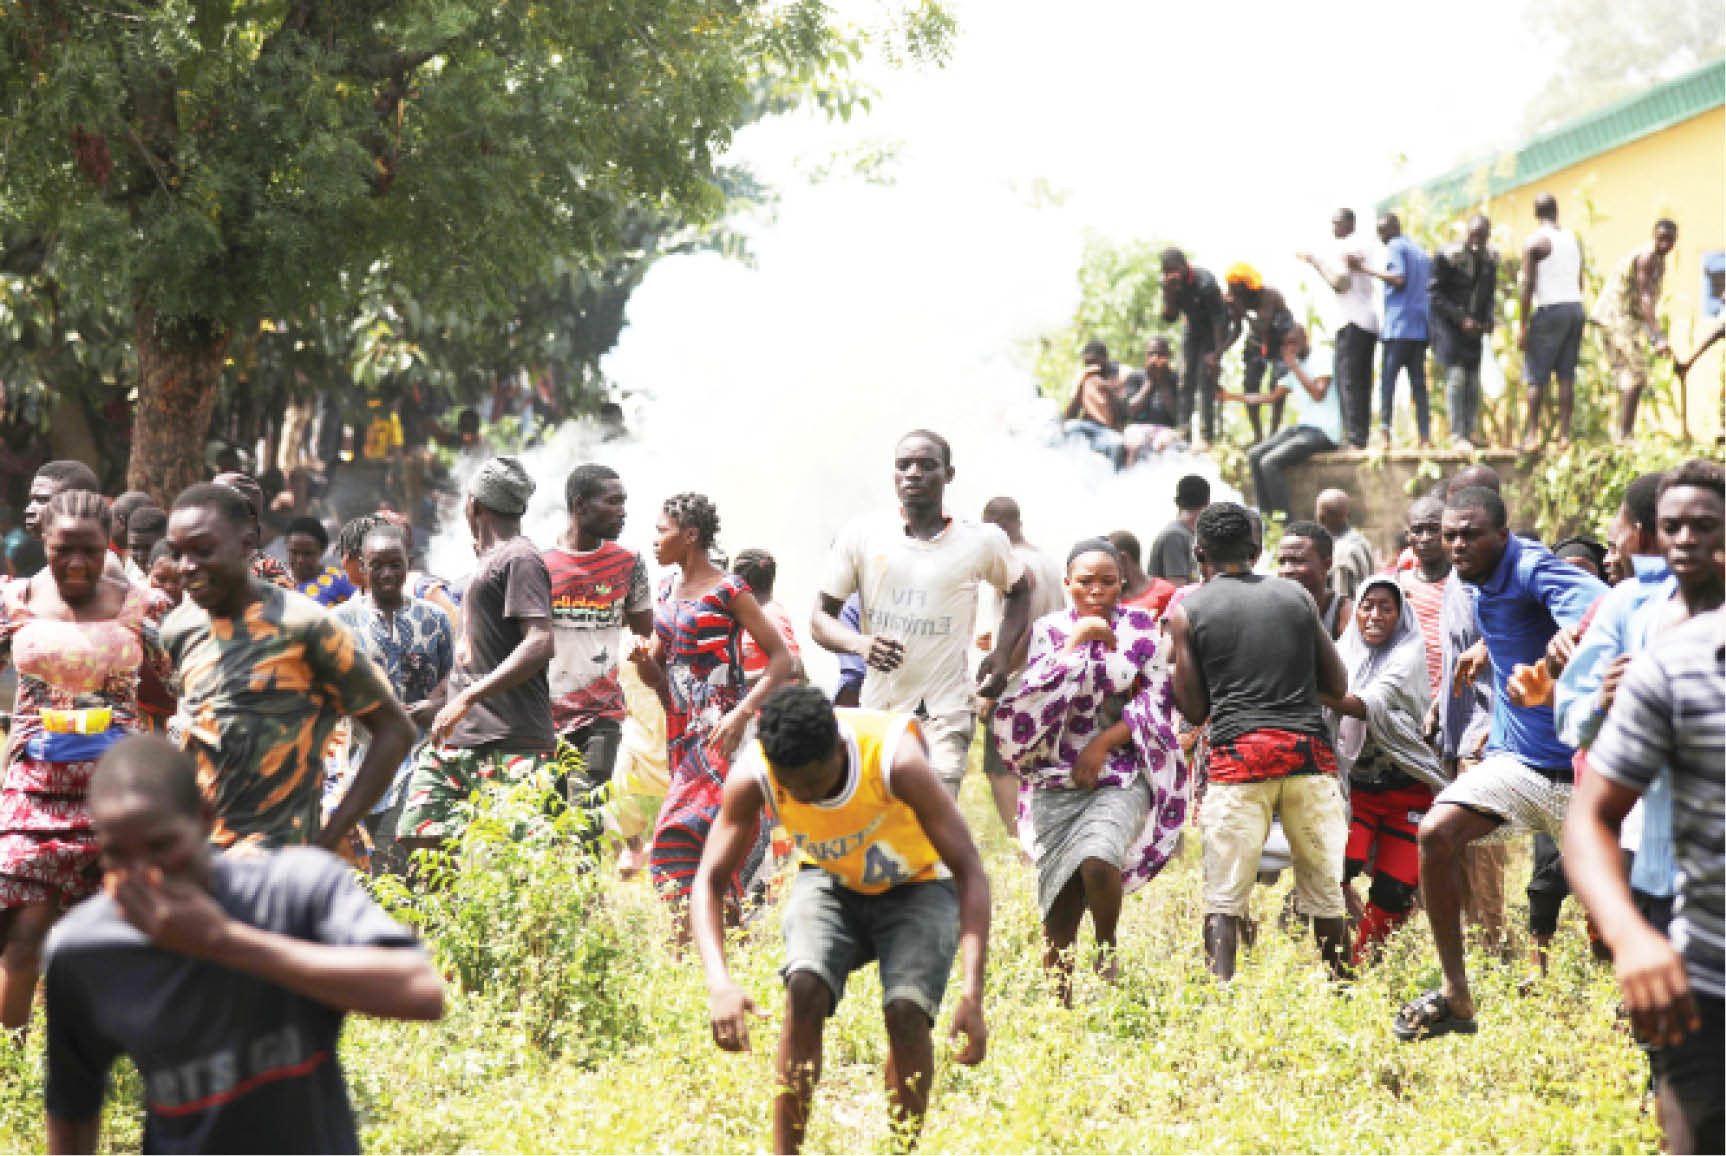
(1066, 698)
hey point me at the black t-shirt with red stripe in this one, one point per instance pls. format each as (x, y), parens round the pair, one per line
(230, 1062)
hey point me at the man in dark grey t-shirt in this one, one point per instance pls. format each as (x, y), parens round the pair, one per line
(224, 980)
(496, 720)
(1171, 557)
(1252, 658)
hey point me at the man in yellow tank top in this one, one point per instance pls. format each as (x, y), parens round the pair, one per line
(888, 872)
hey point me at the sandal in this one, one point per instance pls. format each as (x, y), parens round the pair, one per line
(1429, 1016)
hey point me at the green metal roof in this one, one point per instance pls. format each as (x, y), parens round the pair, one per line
(1617, 124)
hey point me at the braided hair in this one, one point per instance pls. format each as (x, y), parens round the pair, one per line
(694, 512)
(352, 539)
(77, 504)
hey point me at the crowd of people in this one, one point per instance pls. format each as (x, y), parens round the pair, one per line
(207, 745)
(1444, 302)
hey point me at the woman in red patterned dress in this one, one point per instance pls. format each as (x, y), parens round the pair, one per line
(78, 639)
(695, 662)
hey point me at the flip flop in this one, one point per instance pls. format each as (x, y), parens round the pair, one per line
(1428, 1017)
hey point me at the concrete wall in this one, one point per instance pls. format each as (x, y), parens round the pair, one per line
(1380, 491)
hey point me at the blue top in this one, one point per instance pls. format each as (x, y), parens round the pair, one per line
(852, 669)
(1576, 699)
(1326, 415)
(1405, 309)
(1520, 606)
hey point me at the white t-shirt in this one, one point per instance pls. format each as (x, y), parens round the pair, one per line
(925, 595)
(1359, 304)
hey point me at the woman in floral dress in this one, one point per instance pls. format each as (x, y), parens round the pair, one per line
(1104, 789)
(79, 640)
(695, 662)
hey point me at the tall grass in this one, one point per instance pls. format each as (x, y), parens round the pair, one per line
(573, 1027)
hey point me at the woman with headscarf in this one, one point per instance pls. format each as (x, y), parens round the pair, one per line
(1392, 772)
(1104, 789)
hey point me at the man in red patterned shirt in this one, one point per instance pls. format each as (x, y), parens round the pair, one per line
(597, 588)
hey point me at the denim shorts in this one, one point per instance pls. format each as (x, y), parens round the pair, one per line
(913, 930)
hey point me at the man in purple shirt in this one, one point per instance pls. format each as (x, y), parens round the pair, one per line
(1522, 597)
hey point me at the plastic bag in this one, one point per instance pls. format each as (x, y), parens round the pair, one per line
(1491, 372)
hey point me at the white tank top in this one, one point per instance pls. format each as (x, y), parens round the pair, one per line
(1556, 277)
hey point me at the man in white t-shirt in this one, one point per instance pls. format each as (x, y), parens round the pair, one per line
(916, 573)
(1048, 594)
(1345, 272)
(1550, 335)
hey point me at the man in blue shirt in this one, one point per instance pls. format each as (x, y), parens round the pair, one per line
(1405, 274)
(1623, 626)
(1522, 597)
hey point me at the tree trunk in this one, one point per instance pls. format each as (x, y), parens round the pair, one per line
(177, 387)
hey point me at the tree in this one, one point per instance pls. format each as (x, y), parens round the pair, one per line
(1600, 51)
(203, 166)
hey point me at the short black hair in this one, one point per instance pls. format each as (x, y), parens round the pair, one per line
(386, 531)
(1092, 546)
(146, 519)
(586, 481)
(1546, 207)
(1701, 473)
(1480, 498)
(1579, 546)
(70, 474)
(1642, 499)
(1173, 259)
(1665, 225)
(758, 568)
(1225, 532)
(128, 504)
(1095, 350)
(224, 499)
(1127, 543)
(1314, 533)
(1192, 493)
(311, 528)
(940, 444)
(153, 767)
(1346, 213)
(797, 726)
(694, 512)
(159, 551)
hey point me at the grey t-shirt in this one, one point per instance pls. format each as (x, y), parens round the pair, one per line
(1255, 637)
(1172, 553)
(510, 586)
(230, 1062)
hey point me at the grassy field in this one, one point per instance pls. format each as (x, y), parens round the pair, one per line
(588, 1034)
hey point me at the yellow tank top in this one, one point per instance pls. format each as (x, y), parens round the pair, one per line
(868, 838)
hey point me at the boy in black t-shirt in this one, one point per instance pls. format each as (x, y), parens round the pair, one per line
(225, 980)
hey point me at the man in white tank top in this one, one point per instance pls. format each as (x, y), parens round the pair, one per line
(1552, 318)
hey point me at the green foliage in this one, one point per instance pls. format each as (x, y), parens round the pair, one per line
(1120, 303)
(508, 909)
(1579, 490)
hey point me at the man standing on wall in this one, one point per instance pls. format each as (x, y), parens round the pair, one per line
(1550, 336)
(1345, 272)
(1628, 315)
(1194, 294)
(1464, 277)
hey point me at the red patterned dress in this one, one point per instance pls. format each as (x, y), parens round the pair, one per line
(69, 674)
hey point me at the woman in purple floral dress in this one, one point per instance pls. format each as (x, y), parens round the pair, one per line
(1104, 790)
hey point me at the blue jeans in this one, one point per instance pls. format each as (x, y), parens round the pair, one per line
(1277, 453)
(1096, 437)
(1404, 353)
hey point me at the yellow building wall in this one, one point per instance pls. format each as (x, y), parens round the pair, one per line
(1679, 172)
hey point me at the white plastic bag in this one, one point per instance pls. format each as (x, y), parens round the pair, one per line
(1491, 372)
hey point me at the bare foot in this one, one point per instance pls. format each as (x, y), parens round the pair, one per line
(1108, 965)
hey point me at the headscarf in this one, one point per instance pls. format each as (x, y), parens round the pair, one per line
(503, 486)
(1241, 273)
(1390, 680)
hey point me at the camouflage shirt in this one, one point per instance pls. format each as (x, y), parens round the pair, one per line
(259, 696)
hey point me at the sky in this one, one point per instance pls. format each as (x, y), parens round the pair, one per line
(1233, 128)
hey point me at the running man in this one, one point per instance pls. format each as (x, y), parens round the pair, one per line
(916, 573)
(247, 964)
(888, 872)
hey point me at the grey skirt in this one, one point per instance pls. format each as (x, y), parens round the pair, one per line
(1070, 826)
